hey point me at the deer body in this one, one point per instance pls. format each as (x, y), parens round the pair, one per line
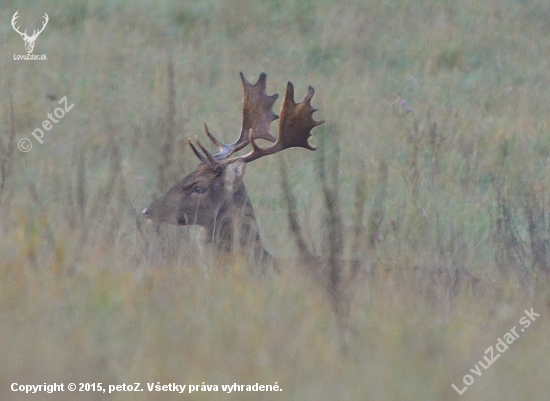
(214, 196)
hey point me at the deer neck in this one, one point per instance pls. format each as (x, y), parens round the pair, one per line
(235, 230)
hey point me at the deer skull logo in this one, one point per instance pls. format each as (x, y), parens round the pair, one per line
(29, 40)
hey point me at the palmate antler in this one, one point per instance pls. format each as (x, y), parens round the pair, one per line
(294, 128)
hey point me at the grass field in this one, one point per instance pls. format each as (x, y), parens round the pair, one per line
(437, 142)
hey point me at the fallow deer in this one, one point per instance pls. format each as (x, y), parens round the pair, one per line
(214, 196)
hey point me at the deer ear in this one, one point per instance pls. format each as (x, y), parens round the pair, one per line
(233, 174)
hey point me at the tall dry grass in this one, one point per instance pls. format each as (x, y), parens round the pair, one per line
(436, 154)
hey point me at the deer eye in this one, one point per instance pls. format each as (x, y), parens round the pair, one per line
(200, 190)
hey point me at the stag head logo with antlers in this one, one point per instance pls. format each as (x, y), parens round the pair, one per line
(29, 40)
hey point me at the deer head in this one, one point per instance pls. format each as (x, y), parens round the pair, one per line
(214, 195)
(29, 40)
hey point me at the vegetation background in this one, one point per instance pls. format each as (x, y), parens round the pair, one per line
(437, 135)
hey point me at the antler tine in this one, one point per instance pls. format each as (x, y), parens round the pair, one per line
(201, 157)
(206, 156)
(225, 150)
(294, 129)
(221, 146)
(209, 156)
